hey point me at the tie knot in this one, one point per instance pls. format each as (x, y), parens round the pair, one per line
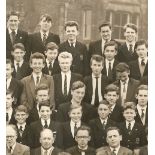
(21, 128)
(17, 63)
(44, 34)
(143, 62)
(13, 32)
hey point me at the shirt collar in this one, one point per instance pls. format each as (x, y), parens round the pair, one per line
(132, 123)
(116, 148)
(83, 149)
(44, 33)
(20, 63)
(145, 60)
(133, 44)
(73, 42)
(68, 73)
(47, 61)
(126, 82)
(73, 123)
(104, 120)
(49, 151)
(107, 61)
(23, 125)
(10, 110)
(43, 122)
(35, 75)
(10, 31)
(139, 107)
(13, 147)
(112, 107)
(95, 76)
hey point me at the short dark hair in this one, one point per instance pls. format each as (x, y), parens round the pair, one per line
(105, 103)
(129, 105)
(21, 108)
(9, 92)
(130, 25)
(113, 128)
(47, 18)
(72, 23)
(74, 106)
(122, 67)
(51, 46)
(83, 127)
(106, 23)
(41, 86)
(77, 85)
(44, 103)
(97, 58)
(141, 87)
(111, 87)
(141, 42)
(13, 13)
(37, 55)
(19, 46)
(111, 43)
(8, 61)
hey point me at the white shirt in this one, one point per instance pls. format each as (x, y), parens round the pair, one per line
(48, 63)
(8, 82)
(128, 45)
(104, 120)
(68, 74)
(13, 147)
(132, 124)
(94, 87)
(73, 42)
(117, 149)
(139, 108)
(42, 34)
(20, 64)
(9, 111)
(35, 77)
(123, 94)
(23, 126)
(107, 64)
(10, 31)
(112, 107)
(49, 151)
(72, 125)
(43, 122)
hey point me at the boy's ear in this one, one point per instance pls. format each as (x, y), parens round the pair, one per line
(12, 53)
(45, 52)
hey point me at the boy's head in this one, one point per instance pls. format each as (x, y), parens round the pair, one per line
(129, 111)
(75, 112)
(9, 99)
(18, 52)
(82, 137)
(51, 51)
(111, 94)
(130, 32)
(97, 64)
(37, 62)
(122, 71)
(105, 31)
(45, 110)
(110, 50)
(142, 95)
(103, 109)
(65, 61)
(13, 20)
(9, 68)
(78, 91)
(42, 93)
(71, 29)
(141, 48)
(45, 22)
(21, 114)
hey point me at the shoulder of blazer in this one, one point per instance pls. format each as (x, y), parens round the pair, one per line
(134, 81)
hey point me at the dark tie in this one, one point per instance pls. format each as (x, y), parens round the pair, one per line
(130, 48)
(44, 39)
(13, 37)
(10, 149)
(18, 76)
(72, 45)
(65, 86)
(124, 89)
(103, 125)
(7, 117)
(75, 129)
(50, 68)
(37, 81)
(129, 126)
(21, 131)
(142, 62)
(109, 72)
(142, 114)
(96, 93)
(45, 126)
(114, 152)
(45, 152)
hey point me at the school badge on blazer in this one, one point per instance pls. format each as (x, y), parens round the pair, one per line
(137, 140)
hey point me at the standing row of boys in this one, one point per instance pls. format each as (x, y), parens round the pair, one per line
(71, 99)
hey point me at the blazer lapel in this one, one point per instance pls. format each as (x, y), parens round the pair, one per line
(129, 88)
(32, 85)
(16, 150)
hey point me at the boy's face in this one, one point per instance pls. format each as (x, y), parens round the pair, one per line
(142, 51)
(71, 33)
(45, 112)
(82, 137)
(9, 71)
(42, 95)
(9, 100)
(96, 67)
(75, 114)
(142, 97)
(129, 114)
(110, 52)
(111, 97)
(51, 54)
(65, 64)
(21, 117)
(13, 22)
(130, 34)
(78, 94)
(37, 65)
(106, 33)
(123, 76)
(45, 25)
(18, 54)
(103, 111)
(113, 138)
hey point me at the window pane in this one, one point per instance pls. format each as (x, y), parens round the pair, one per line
(117, 19)
(124, 19)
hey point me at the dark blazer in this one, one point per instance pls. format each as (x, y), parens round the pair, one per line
(36, 44)
(89, 112)
(104, 71)
(64, 138)
(28, 95)
(37, 151)
(19, 149)
(12, 119)
(80, 62)
(21, 37)
(98, 134)
(24, 71)
(89, 87)
(17, 87)
(134, 139)
(106, 151)
(58, 94)
(55, 70)
(34, 132)
(75, 151)
(131, 90)
(124, 55)
(135, 70)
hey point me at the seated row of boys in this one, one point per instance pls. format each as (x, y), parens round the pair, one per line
(73, 114)
(60, 83)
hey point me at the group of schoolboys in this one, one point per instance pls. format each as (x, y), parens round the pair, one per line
(58, 102)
